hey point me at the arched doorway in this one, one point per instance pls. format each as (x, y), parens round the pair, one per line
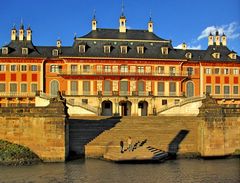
(125, 108)
(142, 108)
(190, 89)
(54, 88)
(107, 108)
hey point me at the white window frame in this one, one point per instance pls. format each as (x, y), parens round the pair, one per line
(140, 69)
(2, 68)
(124, 68)
(24, 51)
(123, 49)
(32, 83)
(107, 48)
(34, 68)
(23, 69)
(5, 50)
(140, 49)
(107, 68)
(235, 71)
(208, 70)
(55, 52)
(226, 71)
(82, 48)
(4, 87)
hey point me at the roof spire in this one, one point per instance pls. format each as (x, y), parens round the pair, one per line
(21, 24)
(94, 14)
(122, 8)
(150, 18)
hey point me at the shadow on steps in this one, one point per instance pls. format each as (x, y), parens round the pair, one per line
(174, 144)
(85, 129)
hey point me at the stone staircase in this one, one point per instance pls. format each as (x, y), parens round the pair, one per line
(170, 134)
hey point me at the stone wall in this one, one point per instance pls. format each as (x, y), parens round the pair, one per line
(43, 129)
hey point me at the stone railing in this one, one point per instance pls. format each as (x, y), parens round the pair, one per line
(183, 102)
(127, 73)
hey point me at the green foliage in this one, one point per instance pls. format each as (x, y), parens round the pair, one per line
(237, 152)
(14, 154)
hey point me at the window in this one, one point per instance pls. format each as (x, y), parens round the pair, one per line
(190, 71)
(82, 48)
(208, 70)
(55, 68)
(115, 68)
(140, 49)
(2, 87)
(172, 88)
(86, 87)
(124, 68)
(86, 68)
(160, 88)
(107, 68)
(2, 67)
(74, 87)
(73, 69)
(55, 52)
(23, 67)
(209, 89)
(217, 89)
(123, 87)
(226, 90)
(233, 55)
(188, 55)
(217, 71)
(140, 69)
(13, 87)
(107, 49)
(23, 87)
(216, 55)
(235, 71)
(99, 68)
(84, 101)
(13, 68)
(226, 71)
(172, 71)
(33, 67)
(140, 88)
(160, 69)
(24, 51)
(123, 49)
(164, 50)
(164, 102)
(107, 87)
(33, 87)
(235, 89)
(4, 50)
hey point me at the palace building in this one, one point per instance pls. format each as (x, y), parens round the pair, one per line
(117, 71)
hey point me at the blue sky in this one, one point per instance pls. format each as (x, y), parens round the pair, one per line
(179, 20)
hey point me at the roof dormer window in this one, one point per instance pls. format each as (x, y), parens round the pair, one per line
(24, 51)
(216, 55)
(55, 52)
(82, 48)
(123, 49)
(5, 50)
(188, 55)
(140, 49)
(164, 50)
(107, 48)
(233, 56)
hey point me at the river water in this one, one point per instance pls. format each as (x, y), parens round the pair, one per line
(97, 171)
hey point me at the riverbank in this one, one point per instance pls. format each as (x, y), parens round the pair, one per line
(13, 154)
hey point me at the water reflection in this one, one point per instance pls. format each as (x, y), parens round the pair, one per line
(96, 171)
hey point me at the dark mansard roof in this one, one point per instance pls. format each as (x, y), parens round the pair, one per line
(94, 42)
